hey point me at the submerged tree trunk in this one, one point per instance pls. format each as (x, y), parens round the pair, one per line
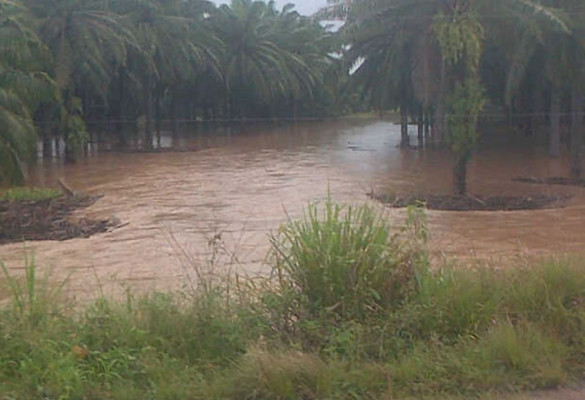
(70, 154)
(58, 146)
(427, 129)
(295, 110)
(439, 122)
(148, 114)
(404, 138)
(157, 121)
(174, 122)
(576, 133)
(460, 175)
(555, 124)
(421, 123)
(47, 145)
(121, 115)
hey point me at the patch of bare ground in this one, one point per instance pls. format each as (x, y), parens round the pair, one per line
(552, 181)
(474, 203)
(50, 219)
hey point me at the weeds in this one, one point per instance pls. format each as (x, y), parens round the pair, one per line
(345, 261)
(33, 298)
(29, 194)
(353, 312)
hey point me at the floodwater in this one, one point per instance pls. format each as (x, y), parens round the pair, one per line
(239, 186)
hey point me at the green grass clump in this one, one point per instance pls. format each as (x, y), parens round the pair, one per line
(309, 332)
(26, 193)
(347, 261)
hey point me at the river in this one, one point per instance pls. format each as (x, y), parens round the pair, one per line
(241, 185)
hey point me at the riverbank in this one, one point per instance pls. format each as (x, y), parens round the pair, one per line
(351, 311)
(470, 202)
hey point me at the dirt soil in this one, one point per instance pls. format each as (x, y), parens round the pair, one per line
(475, 203)
(552, 181)
(50, 219)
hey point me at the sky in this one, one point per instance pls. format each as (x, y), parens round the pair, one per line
(306, 7)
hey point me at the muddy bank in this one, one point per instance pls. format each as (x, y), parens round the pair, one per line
(49, 219)
(552, 181)
(474, 203)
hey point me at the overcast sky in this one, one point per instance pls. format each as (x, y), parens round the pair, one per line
(306, 7)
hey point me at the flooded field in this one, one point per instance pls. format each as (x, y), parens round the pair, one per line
(240, 184)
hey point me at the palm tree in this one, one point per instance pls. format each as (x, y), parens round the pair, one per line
(259, 66)
(174, 46)
(430, 51)
(23, 85)
(88, 45)
(307, 46)
(577, 88)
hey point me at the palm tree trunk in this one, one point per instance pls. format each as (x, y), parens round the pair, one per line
(47, 146)
(576, 133)
(421, 123)
(404, 138)
(555, 122)
(460, 175)
(427, 129)
(121, 110)
(148, 114)
(157, 121)
(439, 122)
(174, 123)
(58, 146)
(47, 135)
(295, 111)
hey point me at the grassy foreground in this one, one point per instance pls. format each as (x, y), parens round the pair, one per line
(352, 312)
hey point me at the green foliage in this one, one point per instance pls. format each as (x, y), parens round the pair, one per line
(464, 106)
(29, 194)
(34, 299)
(460, 37)
(264, 375)
(23, 84)
(75, 134)
(343, 261)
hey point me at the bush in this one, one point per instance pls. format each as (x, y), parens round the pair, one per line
(344, 262)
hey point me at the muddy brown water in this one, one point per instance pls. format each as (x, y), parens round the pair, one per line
(242, 184)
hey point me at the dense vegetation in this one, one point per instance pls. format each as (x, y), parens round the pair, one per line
(352, 312)
(64, 64)
(444, 64)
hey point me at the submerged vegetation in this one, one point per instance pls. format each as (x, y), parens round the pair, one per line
(351, 311)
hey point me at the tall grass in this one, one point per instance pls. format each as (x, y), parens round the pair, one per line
(310, 333)
(33, 298)
(346, 261)
(28, 194)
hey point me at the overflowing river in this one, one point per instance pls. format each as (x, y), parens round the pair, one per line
(241, 185)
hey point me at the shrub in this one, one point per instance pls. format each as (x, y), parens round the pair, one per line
(344, 262)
